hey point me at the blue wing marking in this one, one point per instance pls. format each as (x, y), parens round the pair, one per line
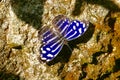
(75, 30)
(48, 36)
(61, 24)
(49, 51)
(52, 45)
(54, 38)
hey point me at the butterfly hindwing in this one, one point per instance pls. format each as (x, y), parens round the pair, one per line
(52, 44)
(50, 51)
(75, 30)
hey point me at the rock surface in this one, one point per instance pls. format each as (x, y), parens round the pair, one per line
(95, 55)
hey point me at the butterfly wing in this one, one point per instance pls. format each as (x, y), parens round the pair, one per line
(52, 45)
(53, 39)
(61, 24)
(75, 30)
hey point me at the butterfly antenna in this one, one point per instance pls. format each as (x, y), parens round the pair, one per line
(68, 46)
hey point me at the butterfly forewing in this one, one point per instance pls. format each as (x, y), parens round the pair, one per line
(75, 30)
(51, 45)
(61, 24)
(48, 36)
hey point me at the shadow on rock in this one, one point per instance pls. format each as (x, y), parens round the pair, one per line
(9, 76)
(110, 5)
(29, 11)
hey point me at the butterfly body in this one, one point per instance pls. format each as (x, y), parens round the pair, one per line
(54, 38)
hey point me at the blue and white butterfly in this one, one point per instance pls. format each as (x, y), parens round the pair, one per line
(54, 38)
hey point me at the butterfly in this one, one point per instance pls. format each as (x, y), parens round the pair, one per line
(54, 38)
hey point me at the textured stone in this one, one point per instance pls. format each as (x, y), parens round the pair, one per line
(95, 55)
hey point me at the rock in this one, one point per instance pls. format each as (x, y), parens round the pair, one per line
(95, 55)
